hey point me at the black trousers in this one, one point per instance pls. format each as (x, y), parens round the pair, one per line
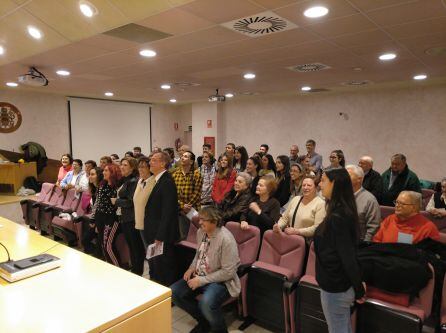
(136, 246)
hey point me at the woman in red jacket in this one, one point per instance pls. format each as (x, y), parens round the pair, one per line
(224, 180)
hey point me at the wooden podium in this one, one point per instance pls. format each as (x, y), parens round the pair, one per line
(13, 174)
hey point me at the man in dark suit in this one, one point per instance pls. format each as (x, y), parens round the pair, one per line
(161, 221)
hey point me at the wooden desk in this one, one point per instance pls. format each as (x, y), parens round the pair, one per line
(83, 295)
(15, 173)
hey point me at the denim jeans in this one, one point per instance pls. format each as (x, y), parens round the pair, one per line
(208, 307)
(336, 307)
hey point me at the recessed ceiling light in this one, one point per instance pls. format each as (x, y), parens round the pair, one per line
(2, 50)
(229, 95)
(34, 32)
(147, 53)
(87, 8)
(249, 76)
(172, 100)
(11, 84)
(108, 93)
(317, 11)
(63, 72)
(387, 56)
(420, 77)
(165, 86)
(305, 88)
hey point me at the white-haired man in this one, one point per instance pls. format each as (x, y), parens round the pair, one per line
(407, 225)
(372, 181)
(366, 203)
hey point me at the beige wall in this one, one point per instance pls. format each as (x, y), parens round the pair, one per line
(380, 123)
(45, 120)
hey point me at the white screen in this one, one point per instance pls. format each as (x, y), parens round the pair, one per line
(101, 128)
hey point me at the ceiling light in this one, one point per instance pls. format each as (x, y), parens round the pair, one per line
(229, 95)
(2, 50)
(108, 93)
(11, 84)
(34, 32)
(317, 11)
(87, 8)
(172, 100)
(147, 53)
(249, 76)
(63, 72)
(387, 56)
(305, 88)
(165, 86)
(420, 77)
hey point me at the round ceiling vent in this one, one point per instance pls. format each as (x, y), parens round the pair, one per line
(185, 84)
(249, 93)
(436, 51)
(260, 25)
(313, 67)
(356, 83)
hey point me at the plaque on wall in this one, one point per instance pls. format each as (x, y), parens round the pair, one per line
(10, 118)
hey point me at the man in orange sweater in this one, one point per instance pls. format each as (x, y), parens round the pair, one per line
(407, 225)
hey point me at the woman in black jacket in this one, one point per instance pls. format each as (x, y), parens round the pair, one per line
(126, 213)
(283, 179)
(236, 201)
(335, 242)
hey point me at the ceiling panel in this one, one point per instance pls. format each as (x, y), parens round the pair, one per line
(367, 5)
(419, 28)
(342, 26)
(362, 38)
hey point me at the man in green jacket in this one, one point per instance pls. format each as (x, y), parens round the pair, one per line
(398, 178)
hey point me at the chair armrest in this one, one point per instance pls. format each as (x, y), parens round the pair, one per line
(48, 208)
(290, 286)
(36, 204)
(23, 202)
(243, 269)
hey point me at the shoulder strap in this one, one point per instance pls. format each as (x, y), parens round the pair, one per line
(295, 211)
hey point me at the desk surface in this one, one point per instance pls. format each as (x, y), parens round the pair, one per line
(84, 294)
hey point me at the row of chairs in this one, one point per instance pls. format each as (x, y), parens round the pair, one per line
(276, 293)
(42, 214)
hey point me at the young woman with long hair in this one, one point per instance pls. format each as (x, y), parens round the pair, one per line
(224, 180)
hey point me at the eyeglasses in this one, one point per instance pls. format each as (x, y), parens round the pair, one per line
(399, 203)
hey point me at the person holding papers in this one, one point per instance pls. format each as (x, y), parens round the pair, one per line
(161, 221)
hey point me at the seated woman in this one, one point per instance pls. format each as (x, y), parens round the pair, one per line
(283, 179)
(240, 159)
(253, 167)
(268, 166)
(212, 273)
(304, 213)
(297, 176)
(264, 210)
(237, 200)
(224, 180)
(337, 159)
(67, 162)
(76, 178)
(437, 203)
(207, 170)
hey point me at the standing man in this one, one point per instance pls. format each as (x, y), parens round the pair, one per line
(161, 221)
(315, 158)
(294, 154)
(398, 178)
(368, 208)
(137, 152)
(372, 179)
(264, 148)
(206, 149)
(230, 149)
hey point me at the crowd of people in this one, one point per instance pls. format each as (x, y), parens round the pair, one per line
(151, 200)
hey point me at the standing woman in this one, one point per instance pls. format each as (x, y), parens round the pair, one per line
(126, 213)
(335, 243)
(224, 180)
(105, 215)
(240, 159)
(337, 159)
(283, 179)
(67, 165)
(297, 176)
(253, 167)
(207, 170)
(268, 166)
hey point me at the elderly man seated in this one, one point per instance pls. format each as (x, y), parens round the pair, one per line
(407, 225)
(366, 204)
(372, 181)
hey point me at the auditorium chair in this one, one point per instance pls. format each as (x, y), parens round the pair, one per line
(426, 196)
(248, 243)
(186, 249)
(57, 198)
(68, 205)
(386, 211)
(272, 281)
(69, 230)
(395, 313)
(27, 204)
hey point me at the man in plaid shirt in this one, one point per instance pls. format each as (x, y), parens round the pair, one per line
(189, 182)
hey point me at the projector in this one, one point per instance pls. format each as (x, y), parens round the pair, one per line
(216, 98)
(33, 78)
